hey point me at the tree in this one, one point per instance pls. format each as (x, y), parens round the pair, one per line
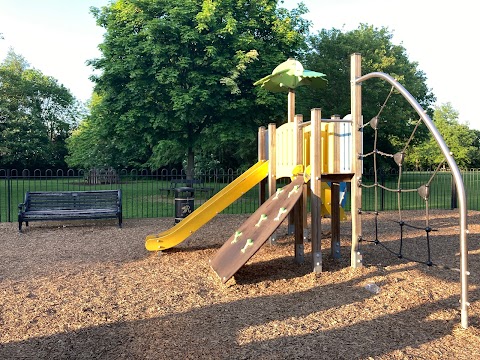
(330, 52)
(462, 142)
(89, 145)
(36, 115)
(177, 78)
(476, 143)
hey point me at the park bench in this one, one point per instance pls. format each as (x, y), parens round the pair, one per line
(70, 205)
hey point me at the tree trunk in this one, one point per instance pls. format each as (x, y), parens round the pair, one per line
(190, 163)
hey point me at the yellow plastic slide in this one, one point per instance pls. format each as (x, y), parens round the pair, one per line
(208, 210)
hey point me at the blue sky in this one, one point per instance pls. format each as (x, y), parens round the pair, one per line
(58, 36)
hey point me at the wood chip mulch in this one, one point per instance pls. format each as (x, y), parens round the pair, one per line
(88, 290)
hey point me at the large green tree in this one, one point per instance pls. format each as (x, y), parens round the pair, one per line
(89, 146)
(177, 77)
(330, 52)
(36, 116)
(462, 142)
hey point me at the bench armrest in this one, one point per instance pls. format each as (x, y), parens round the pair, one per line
(119, 200)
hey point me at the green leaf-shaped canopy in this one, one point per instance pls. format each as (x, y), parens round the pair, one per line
(289, 75)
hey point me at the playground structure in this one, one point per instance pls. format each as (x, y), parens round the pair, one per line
(286, 149)
(318, 151)
(304, 152)
(281, 164)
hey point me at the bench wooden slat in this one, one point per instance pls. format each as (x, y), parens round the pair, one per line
(70, 205)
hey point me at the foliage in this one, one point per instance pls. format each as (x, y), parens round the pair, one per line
(204, 164)
(475, 160)
(176, 78)
(36, 116)
(90, 144)
(176, 84)
(330, 52)
(462, 142)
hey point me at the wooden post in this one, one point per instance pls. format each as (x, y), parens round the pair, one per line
(335, 190)
(298, 120)
(291, 105)
(335, 221)
(336, 144)
(301, 160)
(306, 190)
(262, 196)
(316, 188)
(357, 134)
(298, 222)
(298, 211)
(298, 156)
(272, 160)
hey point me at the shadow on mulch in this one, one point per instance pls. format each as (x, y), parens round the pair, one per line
(215, 332)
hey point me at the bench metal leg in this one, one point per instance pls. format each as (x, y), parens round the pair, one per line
(20, 221)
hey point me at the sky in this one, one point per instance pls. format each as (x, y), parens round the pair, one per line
(57, 37)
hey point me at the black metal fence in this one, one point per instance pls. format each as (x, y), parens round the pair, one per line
(145, 194)
(149, 194)
(442, 190)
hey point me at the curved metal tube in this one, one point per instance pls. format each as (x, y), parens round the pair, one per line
(462, 199)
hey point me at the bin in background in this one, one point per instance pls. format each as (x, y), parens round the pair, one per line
(184, 202)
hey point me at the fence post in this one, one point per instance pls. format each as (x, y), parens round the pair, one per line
(9, 196)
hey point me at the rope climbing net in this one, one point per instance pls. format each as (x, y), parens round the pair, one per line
(423, 191)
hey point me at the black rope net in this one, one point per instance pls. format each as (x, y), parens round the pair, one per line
(423, 191)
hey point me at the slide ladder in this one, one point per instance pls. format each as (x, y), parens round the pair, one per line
(254, 232)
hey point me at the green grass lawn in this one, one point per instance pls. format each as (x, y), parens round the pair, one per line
(140, 198)
(376, 198)
(147, 197)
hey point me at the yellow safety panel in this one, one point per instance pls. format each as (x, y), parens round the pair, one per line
(285, 150)
(306, 145)
(327, 202)
(330, 146)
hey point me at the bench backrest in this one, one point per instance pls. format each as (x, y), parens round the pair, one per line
(73, 200)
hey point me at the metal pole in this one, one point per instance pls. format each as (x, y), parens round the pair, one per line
(453, 194)
(458, 181)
